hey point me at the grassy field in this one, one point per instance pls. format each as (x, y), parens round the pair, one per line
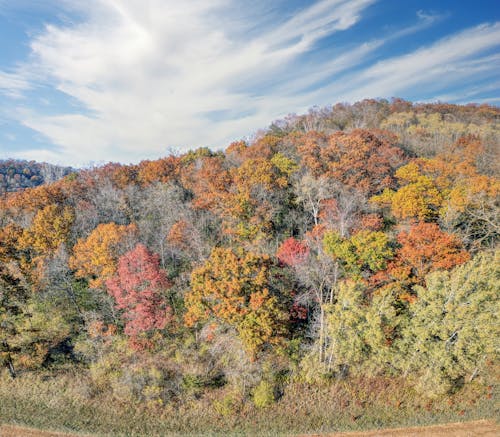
(480, 428)
(65, 404)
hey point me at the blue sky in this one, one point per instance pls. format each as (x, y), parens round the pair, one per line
(125, 80)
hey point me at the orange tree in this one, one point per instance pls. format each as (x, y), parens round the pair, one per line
(423, 249)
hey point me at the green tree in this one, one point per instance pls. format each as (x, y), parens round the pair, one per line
(366, 251)
(345, 327)
(455, 323)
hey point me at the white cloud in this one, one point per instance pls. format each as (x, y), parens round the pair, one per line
(446, 63)
(156, 74)
(12, 85)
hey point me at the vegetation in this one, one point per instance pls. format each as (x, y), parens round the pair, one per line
(16, 175)
(340, 271)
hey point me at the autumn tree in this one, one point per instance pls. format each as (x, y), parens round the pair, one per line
(418, 198)
(95, 258)
(240, 289)
(50, 228)
(161, 170)
(425, 248)
(255, 198)
(292, 252)
(448, 188)
(362, 159)
(138, 288)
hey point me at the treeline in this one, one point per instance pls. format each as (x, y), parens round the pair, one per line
(17, 175)
(355, 240)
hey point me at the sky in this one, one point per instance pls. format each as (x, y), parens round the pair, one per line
(88, 82)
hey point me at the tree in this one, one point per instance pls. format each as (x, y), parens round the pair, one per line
(50, 228)
(345, 322)
(253, 204)
(425, 248)
(158, 207)
(361, 159)
(161, 170)
(318, 275)
(311, 192)
(95, 257)
(292, 252)
(418, 197)
(448, 188)
(455, 323)
(364, 252)
(30, 326)
(138, 288)
(49, 232)
(239, 289)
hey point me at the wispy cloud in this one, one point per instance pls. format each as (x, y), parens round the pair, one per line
(163, 73)
(443, 64)
(13, 84)
(150, 74)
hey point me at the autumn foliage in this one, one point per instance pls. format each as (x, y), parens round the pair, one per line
(292, 252)
(138, 289)
(96, 256)
(236, 288)
(352, 243)
(425, 248)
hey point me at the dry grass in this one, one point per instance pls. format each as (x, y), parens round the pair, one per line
(64, 403)
(479, 428)
(18, 431)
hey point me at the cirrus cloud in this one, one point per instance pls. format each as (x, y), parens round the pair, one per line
(161, 74)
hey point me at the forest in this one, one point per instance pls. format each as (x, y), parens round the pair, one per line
(339, 270)
(16, 175)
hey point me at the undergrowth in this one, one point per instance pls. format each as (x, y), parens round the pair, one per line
(67, 403)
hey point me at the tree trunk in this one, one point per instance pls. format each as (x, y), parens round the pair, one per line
(321, 332)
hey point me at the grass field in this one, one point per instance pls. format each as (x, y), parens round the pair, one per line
(65, 404)
(480, 428)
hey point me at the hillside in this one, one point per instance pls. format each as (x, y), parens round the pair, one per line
(338, 272)
(16, 175)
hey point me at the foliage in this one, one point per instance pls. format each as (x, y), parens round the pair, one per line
(292, 252)
(238, 288)
(425, 248)
(325, 273)
(50, 228)
(138, 290)
(365, 251)
(96, 256)
(455, 324)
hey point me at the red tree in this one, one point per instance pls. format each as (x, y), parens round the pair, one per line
(138, 288)
(292, 252)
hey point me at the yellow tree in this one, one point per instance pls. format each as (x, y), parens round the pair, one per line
(96, 257)
(239, 289)
(50, 228)
(447, 187)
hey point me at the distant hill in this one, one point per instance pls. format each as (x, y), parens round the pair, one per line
(16, 175)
